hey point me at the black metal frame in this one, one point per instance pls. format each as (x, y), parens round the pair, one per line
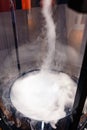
(81, 94)
(12, 8)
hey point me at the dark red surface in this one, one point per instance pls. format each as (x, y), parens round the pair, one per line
(4, 5)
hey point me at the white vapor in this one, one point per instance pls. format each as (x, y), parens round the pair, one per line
(50, 33)
(44, 96)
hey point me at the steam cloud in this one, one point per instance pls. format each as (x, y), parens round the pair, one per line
(45, 95)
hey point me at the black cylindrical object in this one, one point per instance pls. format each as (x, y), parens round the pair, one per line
(15, 33)
(81, 94)
(78, 5)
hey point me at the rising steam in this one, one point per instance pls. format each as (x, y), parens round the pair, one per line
(50, 33)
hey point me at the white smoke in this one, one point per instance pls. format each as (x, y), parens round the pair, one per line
(44, 96)
(51, 33)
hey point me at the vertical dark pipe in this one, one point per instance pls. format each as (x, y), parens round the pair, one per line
(15, 33)
(81, 94)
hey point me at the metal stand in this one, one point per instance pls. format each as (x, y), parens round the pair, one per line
(81, 94)
(15, 33)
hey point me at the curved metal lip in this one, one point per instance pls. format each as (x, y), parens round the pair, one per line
(68, 116)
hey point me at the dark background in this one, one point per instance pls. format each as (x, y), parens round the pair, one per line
(5, 4)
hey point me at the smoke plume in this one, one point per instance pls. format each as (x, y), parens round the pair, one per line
(50, 33)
